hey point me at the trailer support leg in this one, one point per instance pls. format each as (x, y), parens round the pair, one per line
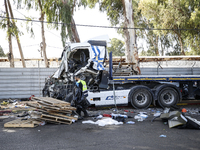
(190, 90)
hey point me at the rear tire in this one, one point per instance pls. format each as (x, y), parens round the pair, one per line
(168, 97)
(140, 98)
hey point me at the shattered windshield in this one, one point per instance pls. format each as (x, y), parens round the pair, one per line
(78, 59)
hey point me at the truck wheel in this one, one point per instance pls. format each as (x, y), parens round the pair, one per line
(168, 97)
(140, 98)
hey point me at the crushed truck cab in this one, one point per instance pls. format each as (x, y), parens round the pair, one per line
(86, 59)
(82, 58)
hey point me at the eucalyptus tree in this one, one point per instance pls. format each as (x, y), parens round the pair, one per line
(120, 12)
(176, 15)
(12, 31)
(38, 5)
(62, 11)
(117, 47)
(6, 23)
(2, 54)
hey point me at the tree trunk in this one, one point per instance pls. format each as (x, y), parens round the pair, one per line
(17, 36)
(162, 48)
(156, 46)
(74, 37)
(181, 43)
(131, 52)
(74, 31)
(10, 57)
(43, 36)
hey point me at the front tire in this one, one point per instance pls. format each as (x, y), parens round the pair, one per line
(140, 98)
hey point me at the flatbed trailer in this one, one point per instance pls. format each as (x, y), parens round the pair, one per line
(143, 90)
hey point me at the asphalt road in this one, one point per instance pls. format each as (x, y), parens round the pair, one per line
(141, 135)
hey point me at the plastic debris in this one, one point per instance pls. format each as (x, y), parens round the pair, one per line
(166, 110)
(118, 115)
(42, 123)
(157, 114)
(4, 103)
(130, 122)
(184, 110)
(99, 117)
(165, 123)
(162, 135)
(104, 122)
(141, 116)
(107, 115)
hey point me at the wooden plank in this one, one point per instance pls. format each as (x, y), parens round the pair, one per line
(59, 111)
(49, 107)
(52, 101)
(56, 122)
(56, 119)
(37, 106)
(65, 116)
(30, 123)
(67, 108)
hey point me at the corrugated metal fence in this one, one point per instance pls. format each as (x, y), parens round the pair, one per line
(24, 82)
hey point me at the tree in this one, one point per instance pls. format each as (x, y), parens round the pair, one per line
(62, 12)
(175, 15)
(2, 54)
(120, 12)
(7, 24)
(16, 32)
(117, 47)
(38, 5)
(43, 44)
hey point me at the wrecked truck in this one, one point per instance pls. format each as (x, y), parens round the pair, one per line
(111, 83)
(86, 59)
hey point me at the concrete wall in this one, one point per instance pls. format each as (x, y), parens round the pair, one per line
(24, 82)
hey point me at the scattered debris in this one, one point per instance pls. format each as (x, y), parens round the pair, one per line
(163, 136)
(178, 119)
(103, 122)
(22, 123)
(130, 122)
(45, 110)
(184, 110)
(141, 116)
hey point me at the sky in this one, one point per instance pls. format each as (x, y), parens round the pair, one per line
(31, 46)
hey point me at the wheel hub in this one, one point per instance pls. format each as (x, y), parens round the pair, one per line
(168, 97)
(140, 98)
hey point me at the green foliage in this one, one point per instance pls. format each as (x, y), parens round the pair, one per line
(13, 30)
(117, 47)
(59, 11)
(174, 14)
(2, 54)
(113, 8)
(147, 53)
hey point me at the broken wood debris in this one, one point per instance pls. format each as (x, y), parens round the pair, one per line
(30, 123)
(49, 110)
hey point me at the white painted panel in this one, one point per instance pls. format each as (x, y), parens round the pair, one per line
(107, 98)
